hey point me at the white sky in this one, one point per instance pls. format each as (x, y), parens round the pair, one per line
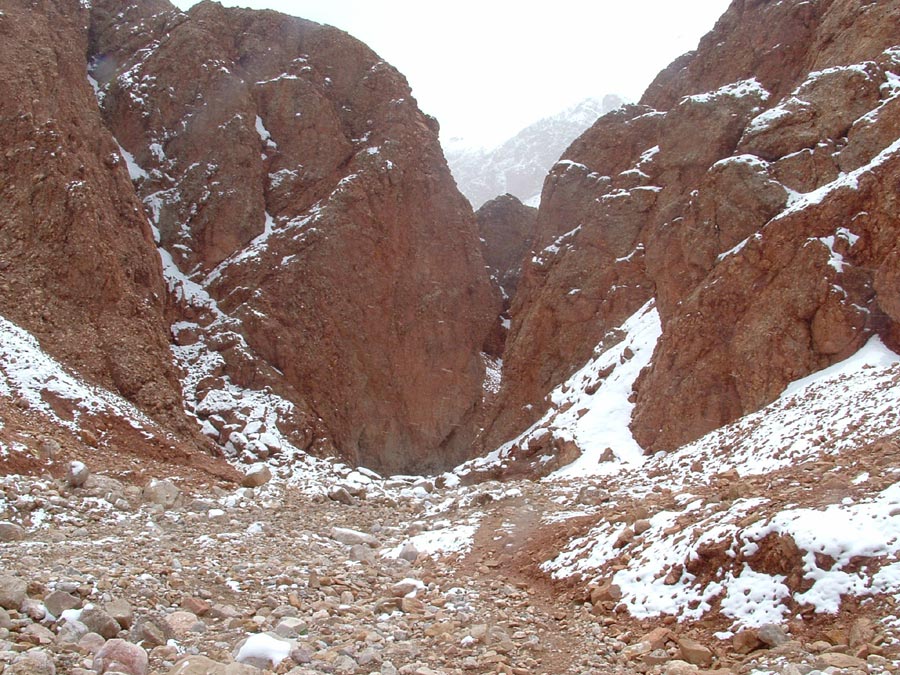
(487, 68)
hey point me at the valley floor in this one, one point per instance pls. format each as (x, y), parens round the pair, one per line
(202, 574)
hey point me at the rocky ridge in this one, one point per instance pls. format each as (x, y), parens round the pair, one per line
(740, 196)
(304, 172)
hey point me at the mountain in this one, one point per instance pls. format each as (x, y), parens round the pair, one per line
(235, 270)
(738, 219)
(519, 165)
(277, 209)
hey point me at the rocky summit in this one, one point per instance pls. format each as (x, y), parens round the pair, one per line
(273, 399)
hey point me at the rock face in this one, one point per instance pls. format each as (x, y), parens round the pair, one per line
(749, 195)
(519, 165)
(309, 227)
(78, 268)
(506, 228)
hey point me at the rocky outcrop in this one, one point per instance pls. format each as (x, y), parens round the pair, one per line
(747, 196)
(506, 228)
(314, 244)
(78, 267)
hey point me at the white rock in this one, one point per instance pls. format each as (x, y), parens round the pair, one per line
(350, 537)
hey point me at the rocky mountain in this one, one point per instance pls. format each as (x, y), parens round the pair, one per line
(231, 235)
(738, 218)
(506, 228)
(519, 165)
(320, 275)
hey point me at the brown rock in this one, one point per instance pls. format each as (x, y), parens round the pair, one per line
(181, 623)
(370, 302)
(122, 611)
(749, 299)
(606, 592)
(99, 621)
(11, 532)
(506, 228)
(658, 637)
(695, 653)
(746, 641)
(80, 269)
(838, 660)
(119, 656)
(195, 605)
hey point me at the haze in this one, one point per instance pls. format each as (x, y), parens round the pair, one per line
(487, 69)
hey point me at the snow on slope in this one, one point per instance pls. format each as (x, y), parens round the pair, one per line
(591, 408)
(700, 552)
(519, 165)
(28, 372)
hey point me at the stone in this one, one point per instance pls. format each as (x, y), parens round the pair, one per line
(345, 664)
(409, 552)
(257, 475)
(120, 656)
(202, 665)
(838, 660)
(59, 601)
(606, 592)
(12, 592)
(38, 634)
(34, 662)
(71, 632)
(149, 633)
(772, 635)
(162, 492)
(291, 627)
(678, 667)
(341, 495)
(11, 532)
(656, 657)
(180, 623)
(658, 637)
(352, 537)
(77, 474)
(91, 643)
(99, 621)
(746, 641)
(641, 526)
(197, 665)
(33, 609)
(406, 587)
(198, 606)
(695, 653)
(362, 553)
(862, 632)
(122, 611)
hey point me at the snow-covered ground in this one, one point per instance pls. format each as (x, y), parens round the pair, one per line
(830, 413)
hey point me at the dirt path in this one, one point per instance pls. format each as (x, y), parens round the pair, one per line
(506, 554)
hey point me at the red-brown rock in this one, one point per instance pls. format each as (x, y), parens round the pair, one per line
(293, 180)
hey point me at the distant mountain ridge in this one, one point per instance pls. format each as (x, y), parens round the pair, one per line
(519, 165)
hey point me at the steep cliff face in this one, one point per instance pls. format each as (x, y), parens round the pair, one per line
(749, 197)
(313, 240)
(506, 227)
(78, 267)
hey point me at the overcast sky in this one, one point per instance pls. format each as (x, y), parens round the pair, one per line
(487, 68)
